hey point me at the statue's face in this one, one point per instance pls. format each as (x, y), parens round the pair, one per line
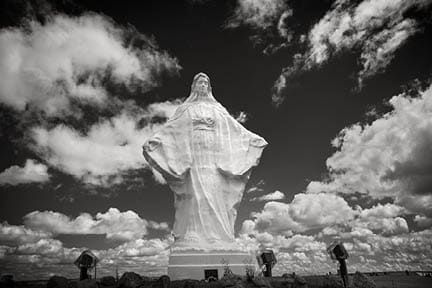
(202, 85)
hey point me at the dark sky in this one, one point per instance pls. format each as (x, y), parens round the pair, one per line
(319, 100)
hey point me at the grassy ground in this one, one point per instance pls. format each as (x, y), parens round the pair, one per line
(402, 281)
(31, 284)
(384, 281)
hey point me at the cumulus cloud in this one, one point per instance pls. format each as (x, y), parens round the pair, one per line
(20, 234)
(163, 110)
(328, 215)
(46, 247)
(47, 66)
(387, 210)
(375, 28)
(32, 172)
(374, 233)
(141, 247)
(49, 257)
(298, 253)
(276, 195)
(305, 212)
(391, 157)
(396, 252)
(158, 226)
(380, 219)
(377, 238)
(107, 150)
(144, 256)
(121, 226)
(58, 67)
(35, 243)
(368, 251)
(385, 226)
(304, 263)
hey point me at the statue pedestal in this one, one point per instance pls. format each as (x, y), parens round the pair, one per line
(199, 265)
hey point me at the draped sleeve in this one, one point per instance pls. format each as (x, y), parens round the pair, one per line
(168, 150)
(241, 149)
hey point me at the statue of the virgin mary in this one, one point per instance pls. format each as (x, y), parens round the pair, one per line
(206, 157)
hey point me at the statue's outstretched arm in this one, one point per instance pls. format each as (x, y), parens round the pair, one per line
(242, 148)
(168, 150)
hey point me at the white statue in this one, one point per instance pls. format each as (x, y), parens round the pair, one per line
(206, 157)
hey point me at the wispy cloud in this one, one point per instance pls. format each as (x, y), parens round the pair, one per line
(260, 14)
(265, 18)
(377, 29)
(256, 187)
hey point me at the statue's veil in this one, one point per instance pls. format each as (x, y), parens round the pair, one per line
(195, 98)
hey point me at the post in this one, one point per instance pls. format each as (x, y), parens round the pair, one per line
(268, 272)
(343, 271)
(95, 271)
(83, 273)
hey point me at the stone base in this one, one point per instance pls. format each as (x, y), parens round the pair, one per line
(197, 265)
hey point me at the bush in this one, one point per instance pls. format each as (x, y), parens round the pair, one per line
(130, 280)
(108, 281)
(299, 282)
(360, 280)
(87, 283)
(163, 282)
(59, 282)
(328, 281)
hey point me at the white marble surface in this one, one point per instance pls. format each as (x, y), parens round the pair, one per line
(193, 265)
(206, 157)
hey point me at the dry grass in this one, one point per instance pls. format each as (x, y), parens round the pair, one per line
(402, 281)
(382, 281)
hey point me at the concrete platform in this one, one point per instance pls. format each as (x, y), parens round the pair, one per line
(199, 265)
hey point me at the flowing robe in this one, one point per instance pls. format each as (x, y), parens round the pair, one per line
(206, 157)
